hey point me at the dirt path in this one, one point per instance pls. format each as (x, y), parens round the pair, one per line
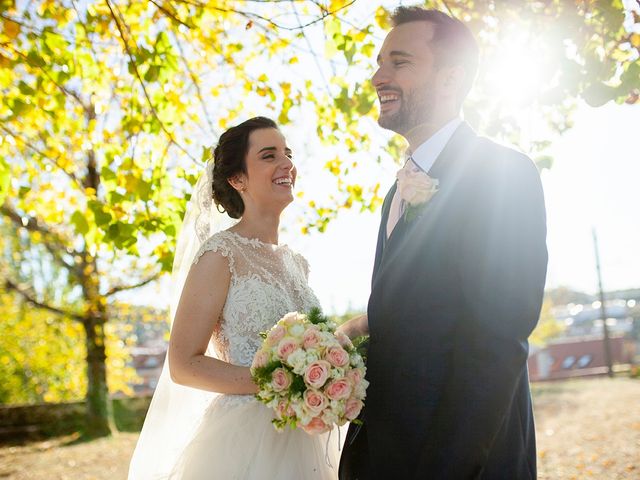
(586, 429)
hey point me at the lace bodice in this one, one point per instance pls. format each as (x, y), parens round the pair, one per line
(267, 281)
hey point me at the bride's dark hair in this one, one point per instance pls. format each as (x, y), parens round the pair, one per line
(229, 159)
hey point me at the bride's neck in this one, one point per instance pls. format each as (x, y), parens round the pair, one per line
(262, 227)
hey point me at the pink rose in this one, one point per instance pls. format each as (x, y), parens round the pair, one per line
(280, 379)
(355, 376)
(337, 356)
(276, 334)
(344, 340)
(286, 347)
(315, 426)
(352, 408)
(317, 373)
(260, 360)
(314, 400)
(290, 318)
(339, 389)
(311, 338)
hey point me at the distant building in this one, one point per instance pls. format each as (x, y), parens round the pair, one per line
(586, 319)
(580, 356)
(148, 362)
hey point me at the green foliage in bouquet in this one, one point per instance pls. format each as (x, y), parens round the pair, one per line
(263, 374)
(361, 345)
(316, 317)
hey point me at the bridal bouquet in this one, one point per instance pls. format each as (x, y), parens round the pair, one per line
(311, 376)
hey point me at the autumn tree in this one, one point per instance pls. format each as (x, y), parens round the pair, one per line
(548, 326)
(109, 107)
(42, 353)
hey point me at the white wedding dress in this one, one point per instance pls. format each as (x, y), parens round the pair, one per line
(235, 438)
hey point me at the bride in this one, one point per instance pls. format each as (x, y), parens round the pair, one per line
(204, 421)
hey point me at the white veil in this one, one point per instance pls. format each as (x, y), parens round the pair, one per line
(176, 411)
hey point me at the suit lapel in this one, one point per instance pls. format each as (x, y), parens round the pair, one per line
(382, 231)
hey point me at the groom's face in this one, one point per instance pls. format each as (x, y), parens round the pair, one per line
(405, 79)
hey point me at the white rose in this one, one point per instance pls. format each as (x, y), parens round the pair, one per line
(415, 187)
(356, 361)
(329, 417)
(361, 389)
(296, 330)
(298, 361)
(312, 356)
(337, 406)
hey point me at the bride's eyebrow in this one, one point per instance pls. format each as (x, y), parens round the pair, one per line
(273, 149)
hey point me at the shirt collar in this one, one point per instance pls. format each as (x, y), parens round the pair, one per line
(427, 153)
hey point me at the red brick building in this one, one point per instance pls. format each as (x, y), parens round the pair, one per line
(573, 357)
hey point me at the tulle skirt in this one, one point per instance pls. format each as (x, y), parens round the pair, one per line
(237, 441)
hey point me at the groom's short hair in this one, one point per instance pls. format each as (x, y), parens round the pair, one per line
(453, 42)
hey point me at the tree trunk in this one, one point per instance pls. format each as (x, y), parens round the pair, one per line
(99, 414)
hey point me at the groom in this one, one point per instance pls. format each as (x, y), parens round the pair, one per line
(458, 278)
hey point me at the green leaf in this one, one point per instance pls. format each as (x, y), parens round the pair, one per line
(79, 220)
(152, 73)
(598, 94)
(297, 384)
(5, 180)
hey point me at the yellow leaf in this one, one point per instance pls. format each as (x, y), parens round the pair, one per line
(4, 61)
(11, 29)
(382, 18)
(336, 4)
(286, 88)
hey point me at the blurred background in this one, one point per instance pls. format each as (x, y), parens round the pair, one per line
(110, 108)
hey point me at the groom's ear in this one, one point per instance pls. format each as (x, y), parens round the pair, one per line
(452, 79)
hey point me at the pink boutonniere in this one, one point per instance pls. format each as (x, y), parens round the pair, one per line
(415, 188)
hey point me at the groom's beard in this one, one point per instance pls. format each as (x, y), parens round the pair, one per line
(415, 109)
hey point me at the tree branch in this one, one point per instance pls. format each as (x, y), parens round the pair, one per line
(142, 85)
(171, 15)
(122, 288)
(67, 92)
(197, 87)
(313, 53)
(32, 224)
(9, 285)
(54, 161)
(251, 15)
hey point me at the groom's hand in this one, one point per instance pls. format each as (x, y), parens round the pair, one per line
(355, 327)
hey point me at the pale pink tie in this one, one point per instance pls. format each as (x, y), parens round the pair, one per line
(396, 208)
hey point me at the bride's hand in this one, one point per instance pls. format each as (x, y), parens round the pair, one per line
(355, 327)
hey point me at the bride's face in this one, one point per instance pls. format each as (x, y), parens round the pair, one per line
(271, 174)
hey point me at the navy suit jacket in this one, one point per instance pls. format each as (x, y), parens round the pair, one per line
(455, 293)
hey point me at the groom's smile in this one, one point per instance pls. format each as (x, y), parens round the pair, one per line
(389, 100)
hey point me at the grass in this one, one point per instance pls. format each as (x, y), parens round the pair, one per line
(587, 428)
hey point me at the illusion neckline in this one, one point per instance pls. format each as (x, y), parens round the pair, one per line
(255, 242)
